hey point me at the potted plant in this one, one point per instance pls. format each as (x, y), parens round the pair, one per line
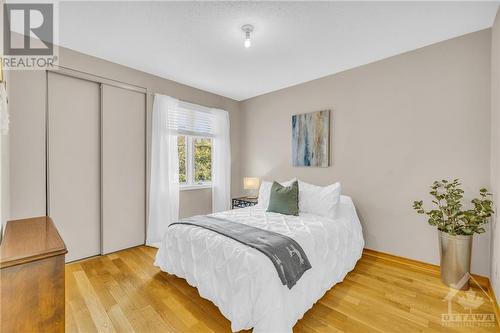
(456, 227)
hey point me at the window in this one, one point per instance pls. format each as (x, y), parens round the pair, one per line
(194, 126)
(181, 146)
(195, 161)
(202, 155)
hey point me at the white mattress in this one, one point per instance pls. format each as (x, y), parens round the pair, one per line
(243, 282)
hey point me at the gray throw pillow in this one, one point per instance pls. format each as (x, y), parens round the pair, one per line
(284, 200)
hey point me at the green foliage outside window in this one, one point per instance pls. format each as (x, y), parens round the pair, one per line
(202, 148)
(201, 160)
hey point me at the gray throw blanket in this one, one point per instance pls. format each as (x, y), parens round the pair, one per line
(285, 253)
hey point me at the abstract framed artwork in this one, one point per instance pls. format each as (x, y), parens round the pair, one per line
(311, 139)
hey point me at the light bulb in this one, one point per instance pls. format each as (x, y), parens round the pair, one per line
(247, 29)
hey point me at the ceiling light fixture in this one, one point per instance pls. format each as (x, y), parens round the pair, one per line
(247, 29)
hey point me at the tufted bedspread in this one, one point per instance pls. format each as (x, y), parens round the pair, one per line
(243, 282)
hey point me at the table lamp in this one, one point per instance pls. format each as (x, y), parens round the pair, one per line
(251, 183)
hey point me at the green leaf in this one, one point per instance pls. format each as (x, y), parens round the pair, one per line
(449, 215)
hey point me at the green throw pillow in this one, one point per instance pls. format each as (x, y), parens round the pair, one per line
(284, 200)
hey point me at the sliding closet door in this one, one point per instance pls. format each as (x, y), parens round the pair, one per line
(74, 163)
(123, 168)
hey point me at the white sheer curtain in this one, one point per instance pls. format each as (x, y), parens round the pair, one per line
(164, 180)
(221, 162)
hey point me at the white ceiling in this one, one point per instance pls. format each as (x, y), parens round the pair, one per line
(201, 44)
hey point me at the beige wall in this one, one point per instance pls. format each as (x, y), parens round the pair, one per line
(397, 125)
(495, 152)
(4, 181)
(4, 172)
(4, 163)
(27, 144)
(195, 202)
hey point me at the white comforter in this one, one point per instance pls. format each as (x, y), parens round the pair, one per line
(243, 282)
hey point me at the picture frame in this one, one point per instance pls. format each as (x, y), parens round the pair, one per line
(311, 139)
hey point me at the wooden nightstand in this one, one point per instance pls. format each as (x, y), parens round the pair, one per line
(244, 202)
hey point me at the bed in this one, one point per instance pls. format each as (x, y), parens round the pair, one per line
(244, 284)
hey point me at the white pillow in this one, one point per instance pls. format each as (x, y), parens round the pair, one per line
(265, 192)
(319, 200)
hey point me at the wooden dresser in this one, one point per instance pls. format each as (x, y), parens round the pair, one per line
(32, 277)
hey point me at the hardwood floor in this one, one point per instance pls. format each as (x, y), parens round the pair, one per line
(124, 292)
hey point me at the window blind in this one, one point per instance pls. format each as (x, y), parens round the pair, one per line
(191, 119)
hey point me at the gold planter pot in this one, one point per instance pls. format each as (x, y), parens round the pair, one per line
(455, 253)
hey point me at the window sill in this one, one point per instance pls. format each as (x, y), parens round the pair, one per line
(194, 187)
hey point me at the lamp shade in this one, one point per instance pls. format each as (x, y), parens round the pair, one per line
(250, 183)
